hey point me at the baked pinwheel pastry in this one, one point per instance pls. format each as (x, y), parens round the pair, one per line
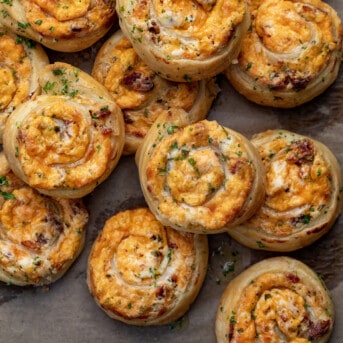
(143, 273)
(67, 141)
(20, 63)
(40, 236)
(200, 178)
(185, 41)
(142, 94)
(290, 55)
(303, 200)
(279, 299)
(66, 25)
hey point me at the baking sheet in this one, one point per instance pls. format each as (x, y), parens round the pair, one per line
(65, 311)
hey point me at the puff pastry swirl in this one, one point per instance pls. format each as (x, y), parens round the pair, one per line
(67, 141)
(185, 40)
(201, 178)
(279, 299)
(290, 55)
(65, 25)
(20, 63)
(141, 93)
(303, 193)
(142, 273)
(40, 236)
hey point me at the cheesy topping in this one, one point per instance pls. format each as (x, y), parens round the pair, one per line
(279, 307)
(185, 29)
(39, 236)
(139, 269)
(298, 185)
(70, 138)
(68, 18)
(200, 174)
(60, 145)
(15, 72)
(290, 42)
(140, 92)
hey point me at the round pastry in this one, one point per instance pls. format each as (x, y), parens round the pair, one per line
(67, 141)
(185, 40)
(142, 94)
(290, 55)
(303, 193)
(65, 25)
(200, 178)
(40, 236)
(142, 273)
(279, 299)
(21, 60)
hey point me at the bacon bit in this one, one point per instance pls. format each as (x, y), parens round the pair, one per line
(284, 317)
(31, 245)
(162, 311)
(235, 167)
(320, 328)
(300, 152)
(154, 28)
(41, 239)
(138, 82)
(173, 246)
(106, 130)
(21, 136)
(58, 266)
(138, 134)
(76, 29)
(231, 329)
(293, 278)
(300, 83)
(127, 118)
(173, 278)
(306, 8)
(103, 113)
(160, 292)
(57, 224)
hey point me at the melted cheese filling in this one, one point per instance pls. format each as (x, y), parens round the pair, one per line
(200, 175)
(297, 192)
(15, 73)
(289, 40)
(138, 268)
(187, 29)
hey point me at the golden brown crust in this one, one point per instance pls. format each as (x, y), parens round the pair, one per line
(65, 25)
(303, 193)
(278, 299)
(290, 55)
(141, 93)
(21, 61)
(201, 178)
(182, 40)
(142, 273)
(67, 141)
(40, 236)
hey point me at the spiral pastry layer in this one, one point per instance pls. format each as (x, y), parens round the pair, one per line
(142, 273)
(40, 236)
(290, 55)
(67, 141)
(185, 40)
(201, 178)
(65, 25)
(303, 193)
(142, 94)
(20, 63)
(279, 299)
